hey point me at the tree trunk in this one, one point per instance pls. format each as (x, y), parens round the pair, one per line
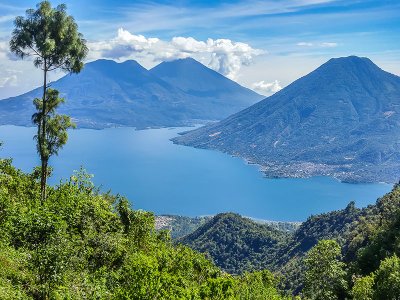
(43, 179)
(42, 139)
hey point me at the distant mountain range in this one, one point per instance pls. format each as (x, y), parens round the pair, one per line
(107, 93)
(341, 120)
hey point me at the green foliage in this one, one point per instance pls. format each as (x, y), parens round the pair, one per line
(382, 236)
(56, 125)
(387, 279)
(324, 277)
(258, 286)
(13, 273)
(237, 244)
(383, 284)
(333, 225)
(82, 244)
(51, 36)
(363, 288)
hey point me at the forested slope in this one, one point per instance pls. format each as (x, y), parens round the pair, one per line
(367, 237)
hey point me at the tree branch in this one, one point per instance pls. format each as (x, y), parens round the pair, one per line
(33, 49)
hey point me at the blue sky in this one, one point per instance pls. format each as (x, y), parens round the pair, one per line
(263, 45)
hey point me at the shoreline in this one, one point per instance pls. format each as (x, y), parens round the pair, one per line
(295, 171)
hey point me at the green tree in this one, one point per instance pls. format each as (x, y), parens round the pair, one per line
(55, 131)
(51, 36)
(324, 277)
(387, 279)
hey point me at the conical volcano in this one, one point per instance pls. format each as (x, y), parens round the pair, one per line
(341, 120)
(196, 79)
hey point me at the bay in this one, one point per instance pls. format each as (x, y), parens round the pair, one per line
(159, 176)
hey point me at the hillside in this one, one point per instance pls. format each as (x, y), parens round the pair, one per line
(107, 94)
(341, 120)
(237, 244)
(335, 225)
(81, 244)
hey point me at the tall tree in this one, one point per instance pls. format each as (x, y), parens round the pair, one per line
(51, 36)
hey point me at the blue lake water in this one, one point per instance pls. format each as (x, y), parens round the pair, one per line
(156, 175)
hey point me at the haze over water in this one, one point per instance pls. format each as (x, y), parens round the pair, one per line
(156, 175)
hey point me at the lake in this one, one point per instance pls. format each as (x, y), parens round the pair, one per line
(156, 175)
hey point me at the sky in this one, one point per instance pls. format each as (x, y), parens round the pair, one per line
(263, 45)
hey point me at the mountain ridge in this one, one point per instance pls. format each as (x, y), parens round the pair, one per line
(108, 94)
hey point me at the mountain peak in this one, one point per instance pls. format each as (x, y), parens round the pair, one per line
(104, 64)
(351, 58)
(194, 78)
(187, 64)
(187, 60)
(349, 64)
(348, 60)
(341, 120)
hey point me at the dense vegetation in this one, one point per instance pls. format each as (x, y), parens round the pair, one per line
(82, 244)
(362, 253)
(237, 244)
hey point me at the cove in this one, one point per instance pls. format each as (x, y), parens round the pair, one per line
(159, 176)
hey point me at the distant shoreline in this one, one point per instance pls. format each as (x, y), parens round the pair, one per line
(296, 170)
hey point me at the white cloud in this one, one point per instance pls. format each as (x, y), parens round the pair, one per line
(5, 53)
(8, 81)
(8, 77)
(267, 87)
(304, 44)
(329, 45)
(123, 45)
(188, 44)
(222, 55)
(7, 18)
(3, 50)
(318, 45)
